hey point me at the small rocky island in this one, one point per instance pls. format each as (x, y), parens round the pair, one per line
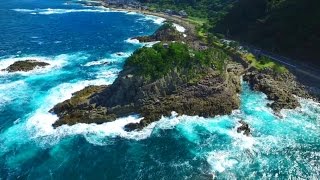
(26, 65)
(173, 76)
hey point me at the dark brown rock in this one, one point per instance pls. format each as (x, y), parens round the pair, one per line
(244, 128)
(26, 65)
(132, 94)
(281, 88)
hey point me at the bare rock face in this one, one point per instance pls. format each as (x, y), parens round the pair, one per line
(26, 65)
(132, 94)
(281, 88)
(79, 109)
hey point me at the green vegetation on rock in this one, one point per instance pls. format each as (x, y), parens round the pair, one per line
(156, 62)
(263, 62)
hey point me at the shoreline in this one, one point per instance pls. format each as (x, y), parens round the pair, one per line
(191, 37)
(107, 103)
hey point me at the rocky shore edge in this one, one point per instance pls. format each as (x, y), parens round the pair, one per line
(211, 95)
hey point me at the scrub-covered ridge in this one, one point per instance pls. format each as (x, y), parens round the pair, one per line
(156, 81)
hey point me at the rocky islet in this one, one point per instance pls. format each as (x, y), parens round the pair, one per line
(25, 65)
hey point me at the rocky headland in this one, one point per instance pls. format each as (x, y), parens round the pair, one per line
(156, 81)
(173, 76)
(26, 65)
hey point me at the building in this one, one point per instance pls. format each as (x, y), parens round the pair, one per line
(183, 13)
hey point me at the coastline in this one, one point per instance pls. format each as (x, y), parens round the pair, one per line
(133, 93)
(191, 36)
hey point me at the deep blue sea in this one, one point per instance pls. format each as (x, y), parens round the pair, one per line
(78, 41)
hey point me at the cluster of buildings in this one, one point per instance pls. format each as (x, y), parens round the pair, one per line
(125, 4)
(181, 13)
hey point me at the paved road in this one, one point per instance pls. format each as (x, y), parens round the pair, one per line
(298, 66)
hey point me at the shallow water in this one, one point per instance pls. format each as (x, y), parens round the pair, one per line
(77, 41)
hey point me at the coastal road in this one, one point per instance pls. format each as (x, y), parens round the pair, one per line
(297, 66)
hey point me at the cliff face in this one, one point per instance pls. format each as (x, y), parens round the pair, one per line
(133, 94)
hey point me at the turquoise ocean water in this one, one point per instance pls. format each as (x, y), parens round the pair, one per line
(77, 41)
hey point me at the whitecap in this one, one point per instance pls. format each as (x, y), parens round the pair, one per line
(50, 11)
(136, 41)
(99, 62)
(39, 125)
(121, 55)
(132, 41)
(132, 13)
(155, 19)
(150, 44)
(221, 160)
(8, 91)
(110, 74)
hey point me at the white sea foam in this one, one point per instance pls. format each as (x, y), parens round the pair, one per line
(50, 11)
(132, 13)
(100, 62)
(221, 160)
(8, 93)
(132, 41)
(121, 55)
(39, 125)
(155, 19)
(150, 44)
(136, 41)
(109, 75)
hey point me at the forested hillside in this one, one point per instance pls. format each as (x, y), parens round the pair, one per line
(287, 27)
(195, 8)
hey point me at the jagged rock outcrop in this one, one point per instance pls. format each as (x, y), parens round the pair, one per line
(132, 94)
(281, 88)
(244, 128)
(26, 65)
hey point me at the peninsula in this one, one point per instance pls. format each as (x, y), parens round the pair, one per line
(174, 76)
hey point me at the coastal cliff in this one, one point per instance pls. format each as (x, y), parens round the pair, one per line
(156, 81)
(173, 76)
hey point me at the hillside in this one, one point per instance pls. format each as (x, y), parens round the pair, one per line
(287, 27)
(195, 8)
